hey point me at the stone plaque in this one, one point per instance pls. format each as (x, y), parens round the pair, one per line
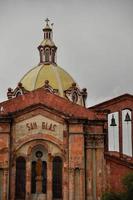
(38, 124)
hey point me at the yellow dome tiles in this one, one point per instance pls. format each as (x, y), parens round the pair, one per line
(49, 75)
(29, 78)
(58, 78)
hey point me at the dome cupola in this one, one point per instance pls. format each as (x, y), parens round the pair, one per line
(47, 48)
(48, 75)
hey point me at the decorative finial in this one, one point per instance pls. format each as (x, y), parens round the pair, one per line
(47, 21)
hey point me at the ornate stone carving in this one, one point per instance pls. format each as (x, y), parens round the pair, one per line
(71, 170)
(75, 95)
(94, 140)
(49, 88)
(19, 90)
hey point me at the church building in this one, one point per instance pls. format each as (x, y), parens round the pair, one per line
(52, 147)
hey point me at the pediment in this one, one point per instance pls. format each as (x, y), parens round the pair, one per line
(41, 98)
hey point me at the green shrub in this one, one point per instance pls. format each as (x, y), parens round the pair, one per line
(128, 183)
(127, 195)
(111, 196)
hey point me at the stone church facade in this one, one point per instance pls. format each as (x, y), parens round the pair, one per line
(54, 148)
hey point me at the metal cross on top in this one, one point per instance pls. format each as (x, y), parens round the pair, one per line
(47, 21)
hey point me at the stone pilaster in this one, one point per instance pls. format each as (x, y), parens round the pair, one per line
(82, 184)
(12, 181)
(95, 165)
(5, 184)
(76, 161)
(71, 184)
(49, 177)
(65, 183)
(28, 179)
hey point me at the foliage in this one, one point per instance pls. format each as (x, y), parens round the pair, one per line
(111, 196)
(128, 183)
(127, 195)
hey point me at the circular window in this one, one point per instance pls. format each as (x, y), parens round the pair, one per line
(39, 154)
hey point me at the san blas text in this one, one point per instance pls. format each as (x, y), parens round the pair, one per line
(44, 125)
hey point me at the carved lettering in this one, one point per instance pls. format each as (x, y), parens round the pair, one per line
(50, 127)
(31, 126)
(28, 126)
(44, 125)
(54, 127)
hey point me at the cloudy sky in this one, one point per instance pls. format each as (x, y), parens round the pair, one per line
(94, 39)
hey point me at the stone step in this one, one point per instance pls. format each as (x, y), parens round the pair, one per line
(39, 197)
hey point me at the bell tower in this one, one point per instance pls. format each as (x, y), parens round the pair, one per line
(47, 48)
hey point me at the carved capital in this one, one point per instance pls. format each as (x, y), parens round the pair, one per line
(93, 140)
(71, 170)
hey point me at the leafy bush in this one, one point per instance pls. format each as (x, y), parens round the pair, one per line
(128, 183)
(127, 195)
(111, 196)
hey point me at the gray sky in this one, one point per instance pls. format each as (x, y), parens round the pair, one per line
(94, 39)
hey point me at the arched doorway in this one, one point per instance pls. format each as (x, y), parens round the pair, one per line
(20, 178)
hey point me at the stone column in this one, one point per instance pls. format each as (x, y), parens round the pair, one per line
(71, 184)
(5, 185)
(39, 180)
(65, 183)
(89, 175)
(82, 184)
(39, 177)
(95, 164)
(28, 179)
(49, 177)
(13, 181)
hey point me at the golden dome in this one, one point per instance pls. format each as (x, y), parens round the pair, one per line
(58, 78)
(49, 75)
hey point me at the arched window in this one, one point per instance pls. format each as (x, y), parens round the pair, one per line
(53, 56)
(44, 175)
(49, 35)
(126, 132)
(33, 177)
(41, 54)
(113, 132)
(20, 178)
(47, 55)
(57, 177)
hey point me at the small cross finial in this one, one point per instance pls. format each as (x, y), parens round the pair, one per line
(47, 21)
